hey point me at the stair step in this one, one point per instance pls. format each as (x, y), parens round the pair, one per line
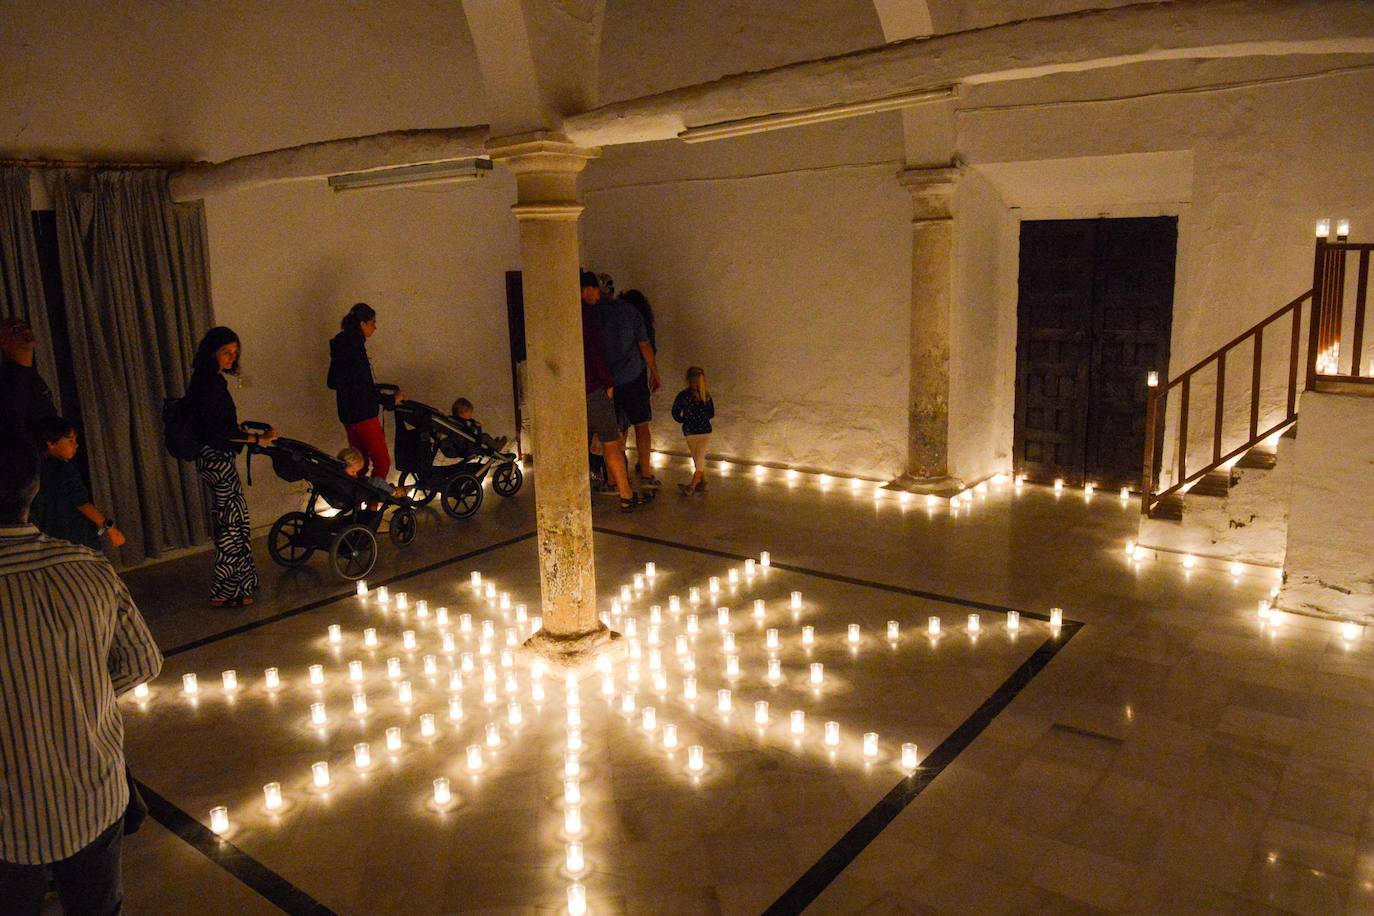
(1215, 483)
(1170, 509)
(1257, 458)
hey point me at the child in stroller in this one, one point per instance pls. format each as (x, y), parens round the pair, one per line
(342, 512)
(354, 461)
(423, 433)
(462, 412)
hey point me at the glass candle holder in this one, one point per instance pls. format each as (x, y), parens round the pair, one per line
(854, 634)
(427, 725)
(317, 714)
(909, 761)
(696, 758)
(230, 679)
(455, 709)
(723, 701)
(974, 624)
(808, 637)
(796, 601)
(360, 704)
(393, 739)
(832, 734)
(362, 755)
(335, 634)
(442, 794)
(774, 670)
(798, 722)
(933, 626)
(272, 678)
(316, 675)
(189, 685)
(271, 796)
(474, 757)
(669, 737)
(320, 772)
(817, 674)
(761, 712)
(870, 745)
(219, 819)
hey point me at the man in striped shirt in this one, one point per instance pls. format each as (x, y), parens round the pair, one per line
(71, 640)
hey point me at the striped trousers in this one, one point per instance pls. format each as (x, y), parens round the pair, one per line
(235, 576)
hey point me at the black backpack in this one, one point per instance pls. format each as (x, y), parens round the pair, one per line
(178, 429)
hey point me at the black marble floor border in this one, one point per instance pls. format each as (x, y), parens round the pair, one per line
(330, 599)
(835, 577)
(273, 887)
(837, 858)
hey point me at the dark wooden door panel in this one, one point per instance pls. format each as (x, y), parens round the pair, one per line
(1094, 313)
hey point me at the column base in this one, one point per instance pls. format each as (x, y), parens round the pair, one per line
(944, 487)
(575, 653)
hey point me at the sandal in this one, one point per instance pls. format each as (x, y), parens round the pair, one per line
(242, 601)
(684, 489)
(636, 502)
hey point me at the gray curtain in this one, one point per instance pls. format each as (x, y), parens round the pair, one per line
(21, 284)
(137, 289)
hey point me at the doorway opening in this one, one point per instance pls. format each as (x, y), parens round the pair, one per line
(1094, 312)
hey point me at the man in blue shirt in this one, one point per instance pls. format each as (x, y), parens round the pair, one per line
(635, 373)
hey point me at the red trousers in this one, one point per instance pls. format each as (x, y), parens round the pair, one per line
(367, 437)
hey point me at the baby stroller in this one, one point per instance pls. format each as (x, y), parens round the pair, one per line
(423, 433)
(337, 516)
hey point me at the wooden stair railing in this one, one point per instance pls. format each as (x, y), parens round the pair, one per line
(1221, 454)
(1325, 362)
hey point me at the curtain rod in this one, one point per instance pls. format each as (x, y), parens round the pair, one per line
(86, 164)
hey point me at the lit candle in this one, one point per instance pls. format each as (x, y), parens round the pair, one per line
(1013, 621)
(627, 702)
(639, 582)
(359, 704)
(574, 717)
(713, 585)
(770, 639)
(362, 752)
(1323, 228)
(832, 734)
(577, 900)
(219, 819)
(655, 615)
(402, 602)
(689, 688)
(572, 792)
(536, 623)
(723, 702)
(335, 634)
(655, 659)
(441, 617)
(749, 567)
(514, 715)
(1058, 484)
(427, 725)
(974, 624)
(607, 687)
(650, 570)
(316, 675)
(854, 634)
(370, 637)
(572, 764)
(522, 614)
(575, 864)
(808, 636)
(422, 609)
(870, 745)
(696, 758)
(362, 588)
(694, 595)
(933, 626)
(693, 625)
(728, 642)
(632, 673)
(449, 646)
(317, 714)
(1342, 228)
(1088, 489)
(393, 739)
(669, 736)
(393, 668)
(908, 756)
(674, 604)
(1189, 561)
(464, 623)
(796, 601)
(474, 757)
(722, 617)
(505, 601)
(465, 661)
(408, 640)
(230, 679)
(442, 794)
(1350, 630)
(774, 670)
(765, 560)
(141, 691)
(491, 591)
(761, 712)
(355, 671)
(689, 662)
(189, 685)
(1237, 569)
(1125, 494)
(404, 695)
(455, 708)
(792, 474)
(733, 577)
(817, 673)
(320, 770)
(507, 658)
(732, 666)
(383, 596)
(798, 722)
(476, 579)
(626, 596)
(1056, 617)
(648, 719)
(273, 678)
(572, 820)
(271, 794)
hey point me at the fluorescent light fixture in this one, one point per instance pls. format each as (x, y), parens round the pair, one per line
(783, 119)
(410, 176)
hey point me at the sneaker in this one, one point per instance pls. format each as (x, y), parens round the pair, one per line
(651, 482)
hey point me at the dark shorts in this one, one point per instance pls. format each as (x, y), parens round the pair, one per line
(601, 416)
(632, 401)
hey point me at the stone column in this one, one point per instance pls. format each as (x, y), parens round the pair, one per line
(546, 167)
(932, 284)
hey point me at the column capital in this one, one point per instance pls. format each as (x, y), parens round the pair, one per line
(545, 166)
(932, 190)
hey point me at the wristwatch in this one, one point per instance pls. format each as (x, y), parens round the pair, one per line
(105, 528)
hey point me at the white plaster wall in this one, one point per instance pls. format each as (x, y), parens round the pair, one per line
(789, 284)
(1330, 566)
(287, 262)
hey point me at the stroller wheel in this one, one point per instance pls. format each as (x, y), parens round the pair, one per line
(419, 495)
(462, 496)
(507, 479)
(287, 543)
(403, 526)
(353, 552)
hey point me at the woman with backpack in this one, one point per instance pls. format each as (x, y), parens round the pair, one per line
(216, 427)
(355, 391)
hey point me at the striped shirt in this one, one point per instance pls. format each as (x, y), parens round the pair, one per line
(71, 640)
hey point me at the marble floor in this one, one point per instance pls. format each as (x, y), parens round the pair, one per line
(1164, 751)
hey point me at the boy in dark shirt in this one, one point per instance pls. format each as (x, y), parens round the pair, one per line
(63, 507)
(462, 412)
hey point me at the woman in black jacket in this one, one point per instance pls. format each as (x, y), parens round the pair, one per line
(217, 429)
(355, 392)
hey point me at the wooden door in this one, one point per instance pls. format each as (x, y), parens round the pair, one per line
(1094, 315)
